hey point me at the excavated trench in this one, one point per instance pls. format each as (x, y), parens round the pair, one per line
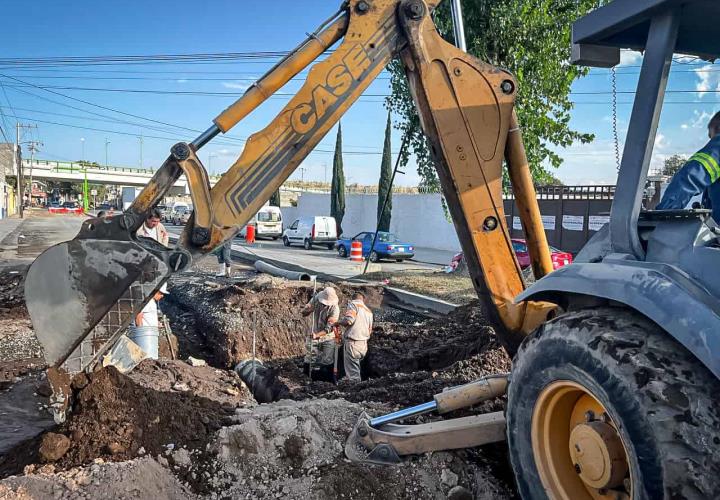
(168, 402)
(410, 357)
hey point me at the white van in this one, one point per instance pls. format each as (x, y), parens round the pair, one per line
(309, 231)
(268, 223)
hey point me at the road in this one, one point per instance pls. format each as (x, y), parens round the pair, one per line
(320, 260)
(21, 240)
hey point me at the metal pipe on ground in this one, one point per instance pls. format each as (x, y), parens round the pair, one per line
(264, 267)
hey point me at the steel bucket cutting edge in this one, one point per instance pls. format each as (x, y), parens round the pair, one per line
(71, 286)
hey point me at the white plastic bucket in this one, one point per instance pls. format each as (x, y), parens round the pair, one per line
(146, 337)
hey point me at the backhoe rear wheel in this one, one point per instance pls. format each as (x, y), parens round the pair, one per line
(603, 403)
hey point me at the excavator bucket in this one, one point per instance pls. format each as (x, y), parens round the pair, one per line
(90, 285)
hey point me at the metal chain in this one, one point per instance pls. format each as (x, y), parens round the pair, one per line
(614, 118)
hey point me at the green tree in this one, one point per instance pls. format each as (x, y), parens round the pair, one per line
(384, 186)
(337, 186)
(673, 164)
(275, 199)
(532, 39)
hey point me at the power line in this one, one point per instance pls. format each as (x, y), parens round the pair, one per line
(133, 134)
(277, 94)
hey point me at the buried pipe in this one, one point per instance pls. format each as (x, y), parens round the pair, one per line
(264, 267)
(259, 379)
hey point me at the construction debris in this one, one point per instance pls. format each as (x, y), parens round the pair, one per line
(177, 429)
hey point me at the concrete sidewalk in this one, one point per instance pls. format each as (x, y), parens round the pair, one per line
(7, 226)
(434, 256)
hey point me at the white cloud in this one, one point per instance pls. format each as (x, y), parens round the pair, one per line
(236, 85)
(684, 126)
(661, 141)
(225, 152)
(629, 58)
(181, 80)
(708, 80)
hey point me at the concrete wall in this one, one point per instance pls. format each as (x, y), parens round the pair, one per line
(416, 218)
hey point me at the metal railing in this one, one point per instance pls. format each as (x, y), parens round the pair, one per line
(81, 167)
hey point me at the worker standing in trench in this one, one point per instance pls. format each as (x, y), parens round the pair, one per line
(325, 314)
(358, 320)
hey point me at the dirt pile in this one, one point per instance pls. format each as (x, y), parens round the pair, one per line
(289, 449)
(20, 352)
(295, 450)
(12, 287)
(141, 478)
(118, 417)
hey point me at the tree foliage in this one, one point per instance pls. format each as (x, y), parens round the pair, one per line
(337, 186)
(531, 38)
(384, 185)
(673, 163)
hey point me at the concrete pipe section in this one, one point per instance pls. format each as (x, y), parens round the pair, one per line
(264, 267)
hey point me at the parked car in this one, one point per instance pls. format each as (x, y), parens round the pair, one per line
(181, 214)
(387, 246)
(267, 223)
(559, 258)
(163, 210)
(72, 207)
(309, 231)
(54, 207)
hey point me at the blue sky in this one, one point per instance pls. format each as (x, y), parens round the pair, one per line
(112, 27)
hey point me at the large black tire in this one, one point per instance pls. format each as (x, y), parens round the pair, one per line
(307, 244)
(374, 257)
(663, 400)
(286, 241)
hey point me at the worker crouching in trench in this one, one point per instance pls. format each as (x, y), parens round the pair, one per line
(321, 358)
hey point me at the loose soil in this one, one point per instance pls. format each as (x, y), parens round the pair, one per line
(178, 430)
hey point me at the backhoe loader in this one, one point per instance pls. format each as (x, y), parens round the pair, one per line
(616, 357)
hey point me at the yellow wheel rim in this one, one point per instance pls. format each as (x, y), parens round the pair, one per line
(577, 448)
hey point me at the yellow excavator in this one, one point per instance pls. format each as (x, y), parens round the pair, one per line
(614, 383)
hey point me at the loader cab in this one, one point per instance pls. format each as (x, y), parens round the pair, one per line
(656, 262)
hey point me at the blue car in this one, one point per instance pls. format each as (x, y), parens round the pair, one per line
(387, 246)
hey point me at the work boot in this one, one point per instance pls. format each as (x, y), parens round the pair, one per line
(228, 271)
(222, 271)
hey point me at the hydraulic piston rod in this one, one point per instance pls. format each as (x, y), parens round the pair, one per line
(455, 398)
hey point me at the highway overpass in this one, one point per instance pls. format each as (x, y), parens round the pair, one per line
(111, 175)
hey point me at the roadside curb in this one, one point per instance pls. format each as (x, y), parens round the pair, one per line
(397, 298)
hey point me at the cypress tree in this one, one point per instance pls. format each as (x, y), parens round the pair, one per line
(384, 187)
(337, 187)
(275, 199)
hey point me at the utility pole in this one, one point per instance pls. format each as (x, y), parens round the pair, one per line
(32, 146)
(302, 175)
(325, 177)
(18, 160)
(106, 153)
(82, 141)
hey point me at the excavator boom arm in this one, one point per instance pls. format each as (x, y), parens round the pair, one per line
(466, 111)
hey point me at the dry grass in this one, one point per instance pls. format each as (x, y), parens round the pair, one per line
(457, 289)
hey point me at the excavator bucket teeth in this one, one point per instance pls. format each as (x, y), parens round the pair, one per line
(355, 451)
(74, 285)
